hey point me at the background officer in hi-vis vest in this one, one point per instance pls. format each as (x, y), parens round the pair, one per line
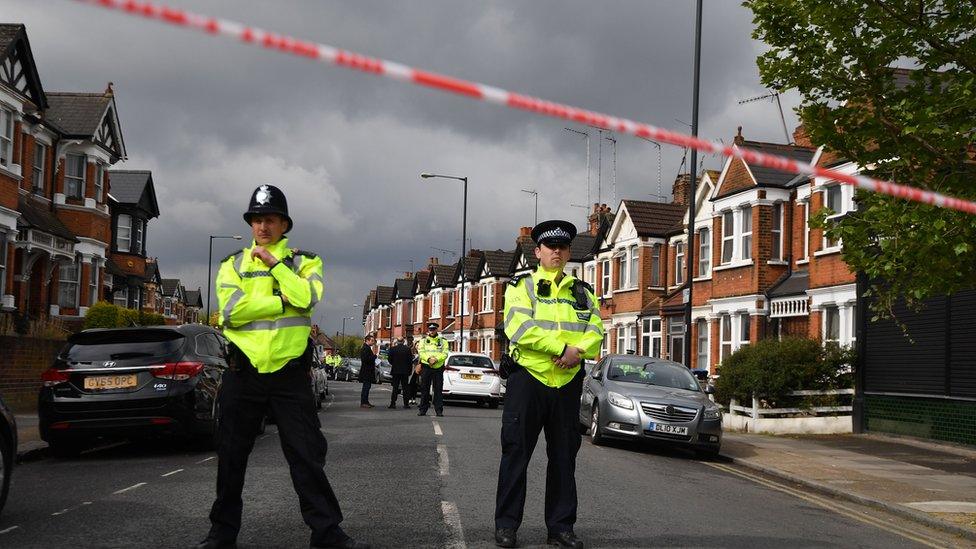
(553, 322)
(433, 353)
(266, 295)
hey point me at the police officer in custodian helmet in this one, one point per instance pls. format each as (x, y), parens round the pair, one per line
(266, 294)
(553, 322)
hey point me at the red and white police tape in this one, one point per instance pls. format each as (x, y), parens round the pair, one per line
(474, 90)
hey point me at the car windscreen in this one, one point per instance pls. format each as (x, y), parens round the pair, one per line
(653, 373)
(122, 345)
(469, 361)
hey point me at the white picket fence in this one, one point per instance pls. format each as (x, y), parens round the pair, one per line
(812, 420)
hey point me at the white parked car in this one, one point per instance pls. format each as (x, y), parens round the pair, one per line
(472, 376)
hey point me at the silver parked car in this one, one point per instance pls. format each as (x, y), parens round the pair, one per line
(638, 397)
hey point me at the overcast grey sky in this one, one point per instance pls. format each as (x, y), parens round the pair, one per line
(213, 118)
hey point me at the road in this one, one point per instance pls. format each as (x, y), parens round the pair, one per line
(407, 481)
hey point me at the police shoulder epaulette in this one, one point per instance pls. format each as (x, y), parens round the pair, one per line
(232, 254)
(516, 279)
(304, 253)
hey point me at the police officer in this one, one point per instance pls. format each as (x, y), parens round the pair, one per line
(266, 294)
(433, 353)
(401, 362)
(553, 322)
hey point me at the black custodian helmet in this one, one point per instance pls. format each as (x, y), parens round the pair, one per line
(268, 199)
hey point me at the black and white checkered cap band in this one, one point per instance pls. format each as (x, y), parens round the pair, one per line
(557, 233)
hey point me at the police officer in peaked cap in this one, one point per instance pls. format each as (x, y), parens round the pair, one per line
(553, 322)
(266, 294)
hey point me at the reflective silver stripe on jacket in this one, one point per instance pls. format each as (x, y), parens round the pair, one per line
(239, 262)
(232, 301)
(255, 274)
(513, 310)
(544, 324)
(288, 322)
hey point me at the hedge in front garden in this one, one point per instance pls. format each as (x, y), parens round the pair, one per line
(770, 369)
(108, 315)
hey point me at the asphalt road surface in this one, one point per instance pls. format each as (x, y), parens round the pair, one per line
(407, 481)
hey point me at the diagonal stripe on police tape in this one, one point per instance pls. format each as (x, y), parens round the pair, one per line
(474, 90)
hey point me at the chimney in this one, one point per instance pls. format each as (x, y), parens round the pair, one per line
(738, 139)
(800, 137)
(109, 90)
(681, 189)
(407, 274)
(600, 213)
(433, 261)
(525, 235)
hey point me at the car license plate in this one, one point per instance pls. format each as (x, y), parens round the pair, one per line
(472, 377)
(669, 429)
(110, 382)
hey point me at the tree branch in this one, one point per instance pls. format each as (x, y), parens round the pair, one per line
(938, 45)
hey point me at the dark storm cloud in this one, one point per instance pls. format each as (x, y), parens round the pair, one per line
(213, 118)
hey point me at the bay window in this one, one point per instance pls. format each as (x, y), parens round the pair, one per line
(6, 137)
(605, 278)
(728, 236)
(634, 268)
(777, 232)
(701, 325)
(746, 238)
(123, 239)
(725, 336)
(656, 265)
(68, 282)
(704, 252)
(37, 172)
(679, 263)
(74, 175)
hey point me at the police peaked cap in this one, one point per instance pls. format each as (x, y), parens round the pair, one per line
(555, 231)
(268, 199)
(432, 326)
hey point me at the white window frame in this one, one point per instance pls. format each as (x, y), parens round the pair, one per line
(845, 204)
(167, 306)
(6, 137)
(726, 336)
(634, 270)
(656, 266)
(632, 337)
(651, 338)
(70, 160)
(127, 238)
(138, 233)
(728, 237)
(486, 345)
(703, 337)
(435, 304)
(744, 331)
(68, 288)
(621, 263)
(93, 283)
(3, 263)
(418, 309)
(606, 280)
(825, 324)
(37, 171)
(399, 314)
(675, 334)
(745, 236)
(99, 180)
(589, 274)
(679, 263)
(488, 297)
(704, 252)
(120, 296)
(776, 253)
(621, 338)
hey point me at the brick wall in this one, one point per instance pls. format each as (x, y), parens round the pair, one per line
(22, 360)
(88, 223)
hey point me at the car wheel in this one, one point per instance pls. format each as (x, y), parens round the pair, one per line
(708, 453)
(596, 432)
(6, 467)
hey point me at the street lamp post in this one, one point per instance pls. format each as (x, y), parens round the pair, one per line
(690, 251)
(464, 240)
(210, 268)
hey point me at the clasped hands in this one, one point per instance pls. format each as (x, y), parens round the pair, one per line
(570, 357)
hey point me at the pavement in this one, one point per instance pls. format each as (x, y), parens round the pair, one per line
(920, 480)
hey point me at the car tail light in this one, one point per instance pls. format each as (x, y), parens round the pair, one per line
(451, 369)
(59, 425)
(490, 373)
(178, 371)
(161, 421)
(54, 376)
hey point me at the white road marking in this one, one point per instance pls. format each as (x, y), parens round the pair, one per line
(171, 473)
(455, 536)
(61, 512)
(133, 487)
(207, 459)
(437, 429)
(443, 463)
(11, 529)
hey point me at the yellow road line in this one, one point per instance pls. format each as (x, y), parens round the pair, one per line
(831, 505)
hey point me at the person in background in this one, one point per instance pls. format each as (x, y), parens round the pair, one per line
(400, 359)
(367, 369)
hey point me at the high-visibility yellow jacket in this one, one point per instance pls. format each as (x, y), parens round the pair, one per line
(252, 312)
(541, 327)
(432, 347)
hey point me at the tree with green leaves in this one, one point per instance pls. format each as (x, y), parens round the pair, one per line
(847, 59)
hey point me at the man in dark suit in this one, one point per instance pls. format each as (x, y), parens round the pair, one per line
(400, 359)
(367, 370)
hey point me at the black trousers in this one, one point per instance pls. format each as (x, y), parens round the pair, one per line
(400, 383)
(431, 377)
(531, 407)
(245, 397)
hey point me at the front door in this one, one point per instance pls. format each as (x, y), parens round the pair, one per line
(676, 339)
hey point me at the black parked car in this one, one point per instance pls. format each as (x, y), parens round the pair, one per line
(132, 381)
(8, 449)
